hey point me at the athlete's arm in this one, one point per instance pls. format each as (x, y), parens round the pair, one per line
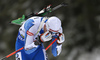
(60, 41)
(30, 30)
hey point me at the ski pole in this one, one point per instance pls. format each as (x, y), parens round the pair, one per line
(51, 44)
(11, 54)
(22, 49)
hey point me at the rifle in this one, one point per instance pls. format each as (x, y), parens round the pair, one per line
(43, 12)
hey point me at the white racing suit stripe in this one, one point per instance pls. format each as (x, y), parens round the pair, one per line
(45, 55)
(18, 56)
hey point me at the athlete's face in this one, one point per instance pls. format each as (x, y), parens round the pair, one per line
(45, 29)
(51, 31)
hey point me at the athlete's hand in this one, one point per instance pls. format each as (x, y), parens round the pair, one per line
(45, 36)
(61, 38)
(37, 41)
(31, 46)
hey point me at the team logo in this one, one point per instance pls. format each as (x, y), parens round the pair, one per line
(20, 37)
(17, 57)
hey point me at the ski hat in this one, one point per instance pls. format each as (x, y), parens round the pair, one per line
(53, 24)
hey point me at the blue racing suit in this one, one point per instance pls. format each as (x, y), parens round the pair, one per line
(26, 37)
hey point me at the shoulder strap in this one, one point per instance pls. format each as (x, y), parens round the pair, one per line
(41, 24)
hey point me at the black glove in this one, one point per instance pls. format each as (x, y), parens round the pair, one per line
(37, 41)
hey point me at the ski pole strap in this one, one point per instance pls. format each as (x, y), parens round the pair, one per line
(41, 24)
